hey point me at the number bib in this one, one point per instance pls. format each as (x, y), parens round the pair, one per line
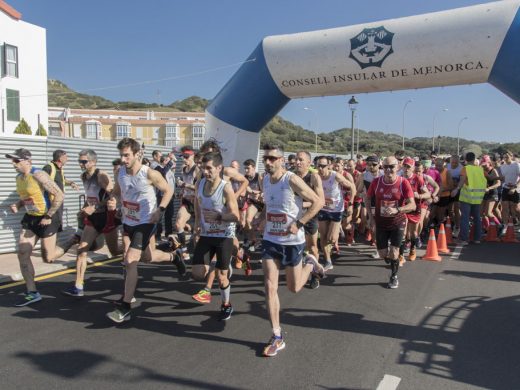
(329, 204)
(131, 211)
(30, 206)
(385, 208)
(277, 224)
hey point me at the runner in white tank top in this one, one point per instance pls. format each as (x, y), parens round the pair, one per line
(284, 239)
(135, 188)
(216, 213)
(329, 217)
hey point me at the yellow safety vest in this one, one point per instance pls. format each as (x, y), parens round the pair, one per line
(474, 191)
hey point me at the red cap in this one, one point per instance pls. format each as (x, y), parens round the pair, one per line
(409, 161)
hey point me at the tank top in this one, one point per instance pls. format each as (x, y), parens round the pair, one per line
(389, 195)
(490, 182)
(214, 202)
(333, 195)
(444, 183)
(189, 178)
(254, 182)
(94, 194)
(137, 196)
(455, 173)
(35, 199)
(283, 208)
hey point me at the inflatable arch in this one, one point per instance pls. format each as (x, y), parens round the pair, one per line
(468, 45)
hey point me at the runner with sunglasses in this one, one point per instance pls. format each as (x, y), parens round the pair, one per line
(41, 197)
(284, 236)
(97, 219)
(393, 199)
(329, 217)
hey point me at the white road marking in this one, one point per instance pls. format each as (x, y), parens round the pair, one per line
(389, 382)
(456, 252)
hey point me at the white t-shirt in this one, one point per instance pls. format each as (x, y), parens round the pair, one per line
(511, 172)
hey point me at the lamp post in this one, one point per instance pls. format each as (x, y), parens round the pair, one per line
(433, 126)
(316, 123)
(404, 108)
(352, 104)
(357, 127)
(458, 135)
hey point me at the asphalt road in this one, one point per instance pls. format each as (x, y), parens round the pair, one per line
(452, 325)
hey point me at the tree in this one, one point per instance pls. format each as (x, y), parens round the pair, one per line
(41, 131)
(476, 149)
(23, 128)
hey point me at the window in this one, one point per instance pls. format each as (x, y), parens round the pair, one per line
(93, 130)
(198, 131)
(10, 65)
(170, 143)
(13, 105)
(172, 131)
(54, 130)
(197, 143)
(122, 130)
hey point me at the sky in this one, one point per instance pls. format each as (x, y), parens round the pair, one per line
(103, 47)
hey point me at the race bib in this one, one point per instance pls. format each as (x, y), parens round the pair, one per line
(214, 227)
(329, 204)
(387, 207)
(131, 210)
(277, 224)
(92, 201)
(29, 205)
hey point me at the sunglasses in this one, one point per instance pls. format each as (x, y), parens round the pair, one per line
(323, 166)
(16, 161)
(389, 166)
(271, 158)
(373, 165)
(82, 161)
(407, 166)
(186, 156)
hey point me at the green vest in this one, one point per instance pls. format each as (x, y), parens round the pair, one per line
(474, 191)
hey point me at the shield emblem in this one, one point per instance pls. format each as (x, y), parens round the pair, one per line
(371, 46)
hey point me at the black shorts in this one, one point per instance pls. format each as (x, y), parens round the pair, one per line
(491, 196)
(311, 227)
(188, 204)
(32, 223)
(507, 197)
(259, 205)
(395, 236)
(139, 235)
(330, 216)
(207, 247)
(101, 222)
(444, 201)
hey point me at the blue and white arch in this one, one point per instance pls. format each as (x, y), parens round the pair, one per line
(468, 45)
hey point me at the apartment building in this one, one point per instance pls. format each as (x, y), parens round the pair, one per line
(23, 78)
(171, 129)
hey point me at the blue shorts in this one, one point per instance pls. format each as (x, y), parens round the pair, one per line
(330, 216)
(287, 255)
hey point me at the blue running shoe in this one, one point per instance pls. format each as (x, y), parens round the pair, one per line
(73, 291)
(30, 297)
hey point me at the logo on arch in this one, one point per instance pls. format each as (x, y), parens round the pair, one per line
(371, 46)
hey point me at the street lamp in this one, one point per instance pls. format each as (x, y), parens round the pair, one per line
(357, 143)
(316, 123)
(404, 108)
(352, 103)
(458, 135)
(433, 126)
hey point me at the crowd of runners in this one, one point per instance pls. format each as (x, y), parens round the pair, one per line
(295, 214)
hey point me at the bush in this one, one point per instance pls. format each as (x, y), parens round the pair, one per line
(41, 131)
(23, 128)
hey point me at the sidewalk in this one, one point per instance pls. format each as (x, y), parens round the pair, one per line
(10, 269)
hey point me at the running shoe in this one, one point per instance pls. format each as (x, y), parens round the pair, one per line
(203, 296)
(393, 283)
(29, 298)
(317, 269)
(402, 260)
(225, 312)
(315, 282)
(178, 261)
(119, 315)
(119, 302)
(413, 255)
(73, 291)
(375, 255)
(328, 266)
(274, 345)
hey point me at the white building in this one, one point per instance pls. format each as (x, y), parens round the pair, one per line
(23, 81)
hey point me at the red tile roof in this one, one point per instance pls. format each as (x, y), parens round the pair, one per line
(10, 10)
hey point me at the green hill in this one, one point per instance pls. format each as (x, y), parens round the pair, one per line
(292, 136)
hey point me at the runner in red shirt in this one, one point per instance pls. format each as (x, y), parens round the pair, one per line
(393, 199)
(420, 194)
(356, 203)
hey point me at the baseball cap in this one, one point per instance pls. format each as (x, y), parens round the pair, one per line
(20, 154)
(372, 159)
(409, 161)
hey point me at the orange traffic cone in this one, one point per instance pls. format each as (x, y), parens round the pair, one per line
(431, 249)
(442, 247)
(491, 235)
(510, 233)
(449, 233)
